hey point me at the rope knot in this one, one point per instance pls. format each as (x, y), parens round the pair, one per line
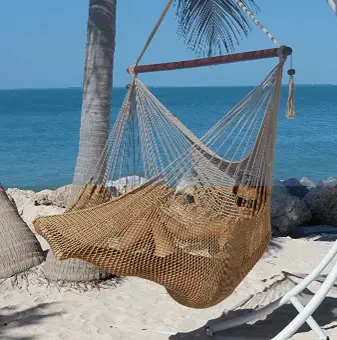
(291, 72)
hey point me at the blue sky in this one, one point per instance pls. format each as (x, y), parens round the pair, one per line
(43, 44)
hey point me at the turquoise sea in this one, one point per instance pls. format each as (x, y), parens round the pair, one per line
(39, 130)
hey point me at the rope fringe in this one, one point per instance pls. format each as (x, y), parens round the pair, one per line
(290, 110)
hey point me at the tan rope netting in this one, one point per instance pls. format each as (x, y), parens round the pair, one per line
(192, 215)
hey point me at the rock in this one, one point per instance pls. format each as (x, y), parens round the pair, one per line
(307, 182)
(187, 184)
(44, 197)
(126, 184)
(21, 198)
(287, 213)
(58, 198)
(322, 202)
(129, 181)
(329, 182)
(279, 188)
(32, 212)
(61, 196)
(295, 187)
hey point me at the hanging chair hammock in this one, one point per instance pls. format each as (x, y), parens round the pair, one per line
(190, 214)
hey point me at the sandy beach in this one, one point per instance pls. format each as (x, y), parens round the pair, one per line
(133, 308)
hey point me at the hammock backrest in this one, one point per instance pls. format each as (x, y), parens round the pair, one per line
(147, 138)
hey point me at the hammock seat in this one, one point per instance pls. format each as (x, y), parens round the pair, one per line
(198, 237)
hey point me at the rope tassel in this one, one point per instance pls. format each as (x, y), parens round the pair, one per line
(290, 110)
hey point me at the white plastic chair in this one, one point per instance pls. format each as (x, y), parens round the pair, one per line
(305, 312)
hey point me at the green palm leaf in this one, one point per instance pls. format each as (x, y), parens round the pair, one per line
(212, 27)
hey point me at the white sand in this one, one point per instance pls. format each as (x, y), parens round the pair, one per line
(137, 309)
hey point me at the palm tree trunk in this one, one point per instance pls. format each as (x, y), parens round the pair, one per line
(19, 248)
(95, 122)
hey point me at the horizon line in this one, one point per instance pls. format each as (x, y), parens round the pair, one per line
(155, 86)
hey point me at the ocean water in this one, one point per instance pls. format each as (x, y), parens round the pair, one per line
(39, 130)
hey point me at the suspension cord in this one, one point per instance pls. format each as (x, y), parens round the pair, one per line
(154, 31)
(258, 23)
(166, 9)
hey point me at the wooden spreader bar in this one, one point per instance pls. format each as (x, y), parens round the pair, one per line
(282, 51)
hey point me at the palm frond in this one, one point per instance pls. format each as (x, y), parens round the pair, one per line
(212, 27)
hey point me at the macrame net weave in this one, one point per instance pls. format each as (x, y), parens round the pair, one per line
(190, 214)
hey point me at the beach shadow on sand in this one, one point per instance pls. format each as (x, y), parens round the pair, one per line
(272, 324)
(12, 317)
(326, 238)
(323, 233)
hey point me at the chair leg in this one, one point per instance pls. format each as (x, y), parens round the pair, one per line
(310, 321)
(211, 330)
(308, 310)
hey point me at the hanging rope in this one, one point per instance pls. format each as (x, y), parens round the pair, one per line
(290, 110)
(154, 31)
(167, 7)
(258, 23)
